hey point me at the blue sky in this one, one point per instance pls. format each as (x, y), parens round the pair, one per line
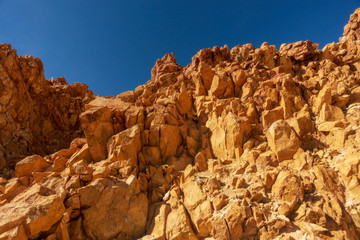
(111, 45)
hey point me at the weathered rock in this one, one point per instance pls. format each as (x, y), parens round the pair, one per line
(330, 113)
(282, 140)
(299, 51)
(228, 134)
(124, 148)
(17, 233)
(199, 207)
(240, 144)
(170, 140)
(37, 116)
(31, 164)
(119, 209)
(289, 189)
(178, 225)
(156, 229)
(351, 30)
(82, 154)
(324, 97)
(37, 209)
(97, 126)
(270, 116)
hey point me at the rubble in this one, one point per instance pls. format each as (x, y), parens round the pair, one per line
(242, 143)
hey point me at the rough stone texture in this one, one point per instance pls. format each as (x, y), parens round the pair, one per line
(29, 165)
(242, 143)
(120, 208)
(37, 116)
(98, 128)
(282, 140)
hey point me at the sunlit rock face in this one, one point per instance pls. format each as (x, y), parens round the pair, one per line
(240, 144)
(37, 116)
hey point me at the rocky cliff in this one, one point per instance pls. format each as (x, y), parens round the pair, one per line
(36, 115)
(240, 144)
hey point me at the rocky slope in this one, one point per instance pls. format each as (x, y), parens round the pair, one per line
(240, 144)
(36, 115)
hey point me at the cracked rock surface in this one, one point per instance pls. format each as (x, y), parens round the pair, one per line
(240, 144)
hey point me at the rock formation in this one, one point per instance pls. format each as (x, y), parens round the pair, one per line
(37, 116)
(240, 144)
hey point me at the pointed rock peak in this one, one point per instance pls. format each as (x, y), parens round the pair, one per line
(169, 58)
(165, 65)
(211, 56)
(352, 29)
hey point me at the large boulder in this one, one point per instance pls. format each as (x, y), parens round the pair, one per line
(299, 51)
(289, 190)
(283, 140)
(120, 209)
(198, 205)
(98, 128)
(31, 164)
(124, 148)
(37, 209)
(228, 134)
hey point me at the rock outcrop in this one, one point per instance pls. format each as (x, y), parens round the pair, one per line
(241, 144)
(37, 116)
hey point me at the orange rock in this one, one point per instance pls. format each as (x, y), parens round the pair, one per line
(199, 207)
(178, 225)
(97, 126)
(133, 116)
(330, 113)
(170, 140)
(82, 154)
(240, 144)
(184, 103)
(31, 164)
(323, 97)
(156, 229)
(128, 96)
(221, 86)
(228, 134)
(124, 148)
(38, 116)
(201, 161)
(282, 140)
(299, 51)
(118, 210)
(235, 220)
(17, 233)
(270, 116)
(37, 208)
(289, 189)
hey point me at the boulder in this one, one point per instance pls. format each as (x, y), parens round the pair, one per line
(31, 164)
(120, 209)
(282, 140)
(97, 126)
(323, 97)
(289, 189)
(124, 148)
(170, 140)
(330, 113)
(156, 229)
(38, 208)
(299, 51)
(270, 116)
(228, 134)
(198, 206)
(178, 226)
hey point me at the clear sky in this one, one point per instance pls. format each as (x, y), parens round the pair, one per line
(111, 45)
